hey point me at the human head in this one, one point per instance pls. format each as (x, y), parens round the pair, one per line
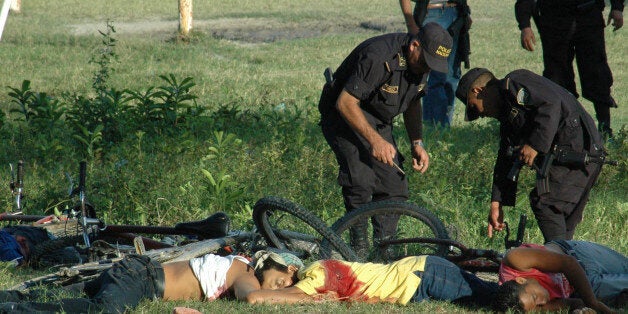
(520, 295)
(276, 270)
(10, 250)
(27, 238)
(469, 87)
(431, 47)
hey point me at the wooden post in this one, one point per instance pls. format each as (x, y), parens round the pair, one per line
(16, 6)
(4, 14)
(185, 17)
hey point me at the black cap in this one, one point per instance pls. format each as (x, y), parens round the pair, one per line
(436, 45)
(464, 86)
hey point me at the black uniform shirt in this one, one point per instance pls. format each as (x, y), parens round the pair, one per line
(376, 73)
(541, 114)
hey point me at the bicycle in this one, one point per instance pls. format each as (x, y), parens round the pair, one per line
(277, 218)
(413, 220)
(419, 232)
(270, 210)
(101, 244)
(235, 241)
(80, 228)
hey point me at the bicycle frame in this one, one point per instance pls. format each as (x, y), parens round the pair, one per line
(10, 216)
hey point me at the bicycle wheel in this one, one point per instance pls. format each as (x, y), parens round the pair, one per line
(415, 223)
(288, 226)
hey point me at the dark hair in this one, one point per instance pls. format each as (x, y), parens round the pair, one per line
(33, 235)
(271, 264)
(507, 297)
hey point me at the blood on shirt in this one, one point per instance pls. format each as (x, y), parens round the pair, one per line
(340, 278)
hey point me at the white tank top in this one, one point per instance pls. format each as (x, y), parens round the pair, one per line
(211, 272)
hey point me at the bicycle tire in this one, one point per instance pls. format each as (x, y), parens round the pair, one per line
(268, 206)
(414, 222)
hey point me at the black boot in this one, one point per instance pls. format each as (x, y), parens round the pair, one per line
(605, 131)
(359, 240)
(603, 115)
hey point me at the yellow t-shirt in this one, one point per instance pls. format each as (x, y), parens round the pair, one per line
(368, 282)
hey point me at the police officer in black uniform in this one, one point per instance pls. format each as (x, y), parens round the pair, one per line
(381, 78)
(571, 28)
(538, 120)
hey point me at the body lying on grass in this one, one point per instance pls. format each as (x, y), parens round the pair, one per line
(136, 278)
(412, 279)
(562, 274)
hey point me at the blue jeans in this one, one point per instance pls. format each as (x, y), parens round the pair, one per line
(443, 280)
(607, 270)
(438, 103)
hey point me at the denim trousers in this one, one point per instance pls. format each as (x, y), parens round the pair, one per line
(443, 280)
(439, 101)
(606, 270)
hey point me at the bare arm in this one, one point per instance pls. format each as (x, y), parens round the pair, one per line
(244, 286)
(286, 296)
(524, 259)
(406, 10)
(495, 218)
(412, 119)
(349, 108)
(527, 39)
(244, 280)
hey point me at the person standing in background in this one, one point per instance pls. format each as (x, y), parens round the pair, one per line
(455, 17)
(574, 29)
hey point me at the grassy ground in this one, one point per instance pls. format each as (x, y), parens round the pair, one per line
(258, 68)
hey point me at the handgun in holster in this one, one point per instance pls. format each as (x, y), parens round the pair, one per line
(542, 168)
(517, 164)
(542, 175)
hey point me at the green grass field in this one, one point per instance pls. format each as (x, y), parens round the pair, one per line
(258, 70)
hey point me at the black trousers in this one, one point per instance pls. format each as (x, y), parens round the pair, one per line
(558, 216)
(580, 36)
(121, 287)
(363, 178)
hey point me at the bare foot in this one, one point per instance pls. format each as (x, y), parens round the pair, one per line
(184, 310)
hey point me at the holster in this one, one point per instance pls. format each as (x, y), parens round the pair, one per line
(542, 175)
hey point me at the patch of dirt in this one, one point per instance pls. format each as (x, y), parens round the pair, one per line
(249, 30)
